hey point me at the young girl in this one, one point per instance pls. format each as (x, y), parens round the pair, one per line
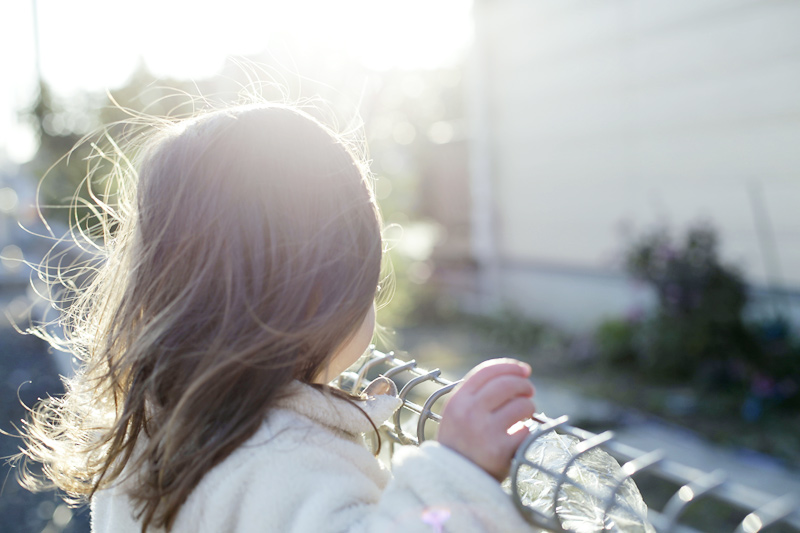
(238, 281)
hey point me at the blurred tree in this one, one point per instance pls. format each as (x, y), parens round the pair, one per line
(67, 128)
(414, 126)
(413, 121)
(59, 125)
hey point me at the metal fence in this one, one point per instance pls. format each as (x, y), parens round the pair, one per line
(591, 474)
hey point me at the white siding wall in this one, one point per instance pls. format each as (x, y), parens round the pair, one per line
(638, 112)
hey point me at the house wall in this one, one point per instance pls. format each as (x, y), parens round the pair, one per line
(605, 119)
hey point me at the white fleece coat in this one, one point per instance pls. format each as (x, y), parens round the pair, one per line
(307, 470)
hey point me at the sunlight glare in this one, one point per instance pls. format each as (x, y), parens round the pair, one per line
(92, 45)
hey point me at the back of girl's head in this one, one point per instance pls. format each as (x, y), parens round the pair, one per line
(256, 235)
(248, 252)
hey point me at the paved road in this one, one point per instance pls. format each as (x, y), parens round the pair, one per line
(27, 372)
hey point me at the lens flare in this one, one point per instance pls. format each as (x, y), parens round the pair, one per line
(436, 517)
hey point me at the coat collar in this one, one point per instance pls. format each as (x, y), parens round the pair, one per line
(335, 412)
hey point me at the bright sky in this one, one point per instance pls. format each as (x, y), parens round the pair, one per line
(95, 44)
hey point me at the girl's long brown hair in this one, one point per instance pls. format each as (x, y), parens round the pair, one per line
(244, 249)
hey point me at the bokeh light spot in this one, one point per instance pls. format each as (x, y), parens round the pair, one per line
(383, 188)
(440, 132)
(62, 515)
(752, 523)
(404, 133)
(8, 199)
(11, 257)
(45, 509)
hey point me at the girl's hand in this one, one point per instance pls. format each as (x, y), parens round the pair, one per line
(493, 397)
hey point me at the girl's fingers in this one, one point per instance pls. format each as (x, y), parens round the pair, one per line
(514, 411)
(476, 419)
(516, 438)
(500, 390)
(489, 370)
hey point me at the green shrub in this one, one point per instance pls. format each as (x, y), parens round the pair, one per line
(696, 335)
(512, 329)
(697, 330)
(615, 341)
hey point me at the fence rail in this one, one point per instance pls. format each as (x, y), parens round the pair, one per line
(539, 487)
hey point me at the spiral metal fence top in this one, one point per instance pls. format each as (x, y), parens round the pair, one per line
(566, 479)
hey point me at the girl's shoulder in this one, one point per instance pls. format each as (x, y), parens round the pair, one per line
(309, 438)
(326, 409)
(307, 425)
